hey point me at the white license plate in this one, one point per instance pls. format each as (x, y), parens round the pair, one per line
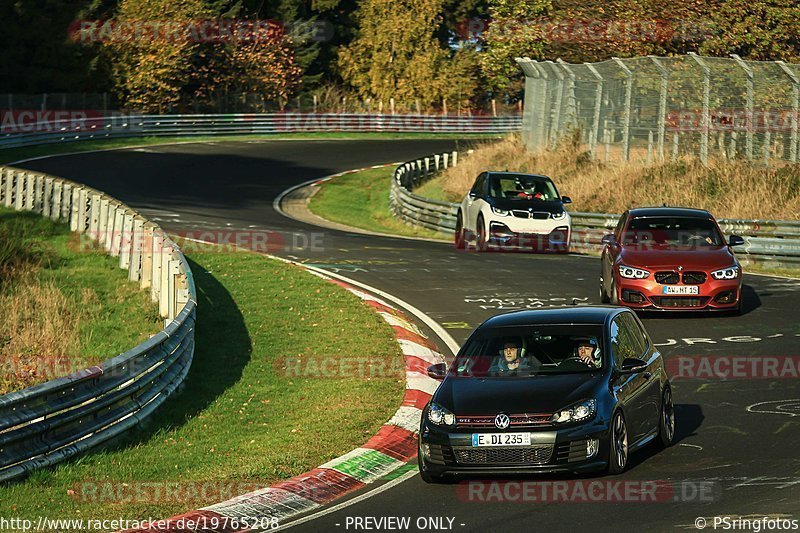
(681, 289)
(501, 439)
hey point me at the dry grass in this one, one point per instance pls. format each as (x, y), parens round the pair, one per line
(39, 333)
(728, 189)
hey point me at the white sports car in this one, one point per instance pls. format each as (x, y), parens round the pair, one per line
(512, 211)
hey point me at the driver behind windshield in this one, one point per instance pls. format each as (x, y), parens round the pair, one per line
(588, 352)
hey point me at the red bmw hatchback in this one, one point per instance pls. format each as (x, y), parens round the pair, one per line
(666, 258)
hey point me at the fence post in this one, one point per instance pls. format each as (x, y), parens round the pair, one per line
(126, 243)
(155, 276)
(11, 176)
(19, 186)
(83, 200)
(795, 101)
(750, 115)
(116, 235)
(555, 125)
(135, 266)
(626, 125)
(56, 200)
(598, 102)
(164, 296)
(30, 191)
(94, 216)
(531, 86)
(66, 202)
(148, 231)
(706, 120)
(542, 115)
(75, 202)
(454, 160)
(102, 222)
(47, 196)
(662, 104)
(38, 194)
(572, 104)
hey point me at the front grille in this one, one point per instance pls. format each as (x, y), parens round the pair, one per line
(679, 301)
(694, 278)
(541, 215)
(520, 214)
(520, 420)
(571, 452)
(667, 278)
(532, 455)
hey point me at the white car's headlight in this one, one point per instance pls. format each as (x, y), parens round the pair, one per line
(578, 412)
(440, 416)
(559, 216)
(726, 273)
(633, 273)
(501, 212)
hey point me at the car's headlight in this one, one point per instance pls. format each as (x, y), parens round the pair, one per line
(559, 216)
(633, 273)
(501, 212)
(440, 416)
(578, 412)
(726, 273)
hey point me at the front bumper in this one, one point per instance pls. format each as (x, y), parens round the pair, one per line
(648, 294)
(539, 236)
(450, 451)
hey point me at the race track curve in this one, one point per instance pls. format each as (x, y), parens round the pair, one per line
(747, 457)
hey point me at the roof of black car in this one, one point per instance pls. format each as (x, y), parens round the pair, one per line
(669, 212)
(595, 314)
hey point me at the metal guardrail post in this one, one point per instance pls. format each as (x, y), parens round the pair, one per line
(83, 203)
(117, 234)
(47, 195)
(155, 277)
(30, 190)
(94, 216)
(148, 230)
(626, 121)
(135, 265)
(126, 243)
(164, 286)
(102, 222)
(55, 207)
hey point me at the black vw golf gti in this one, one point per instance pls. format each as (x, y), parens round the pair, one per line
(572, 389)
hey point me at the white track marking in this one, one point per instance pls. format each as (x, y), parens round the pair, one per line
(348, 503)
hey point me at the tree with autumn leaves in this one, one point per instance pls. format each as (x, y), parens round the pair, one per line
(162, 51)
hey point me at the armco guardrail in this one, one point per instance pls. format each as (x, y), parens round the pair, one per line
(195, 125)
(774, 243)
(48, 423)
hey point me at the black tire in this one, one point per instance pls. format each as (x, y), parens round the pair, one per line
(604, 299)
(666, 423)
(480, 235)
(618, 450)
(460, 240)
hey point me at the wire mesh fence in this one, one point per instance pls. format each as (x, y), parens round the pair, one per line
(648, 108)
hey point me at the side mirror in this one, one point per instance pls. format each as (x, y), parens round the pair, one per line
(566, 200)
(735, 240)
(608, 238)
(437, 371)
(633, 365)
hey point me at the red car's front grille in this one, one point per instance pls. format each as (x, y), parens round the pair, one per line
(694, 278)
(679, 301)
(487, 421)
(667, 277)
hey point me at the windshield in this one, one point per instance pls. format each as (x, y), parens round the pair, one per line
(531, 351)
(522, 187)
(673, 231)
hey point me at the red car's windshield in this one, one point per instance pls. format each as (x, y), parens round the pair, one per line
(672, 232)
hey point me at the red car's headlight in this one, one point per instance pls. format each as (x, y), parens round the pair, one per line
(633, 273)
(726, 273)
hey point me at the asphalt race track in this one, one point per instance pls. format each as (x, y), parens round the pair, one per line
(732, 457)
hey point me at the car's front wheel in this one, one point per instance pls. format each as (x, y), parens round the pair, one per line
(480, 234)
(460, 239)
(618, 449)
(666, 430)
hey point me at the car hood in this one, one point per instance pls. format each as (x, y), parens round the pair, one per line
(668, 257)
(539, 394)
(554, 207)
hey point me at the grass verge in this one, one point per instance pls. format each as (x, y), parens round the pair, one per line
(9, 155)
(361, 200)
(64, 305)
(243, 420)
